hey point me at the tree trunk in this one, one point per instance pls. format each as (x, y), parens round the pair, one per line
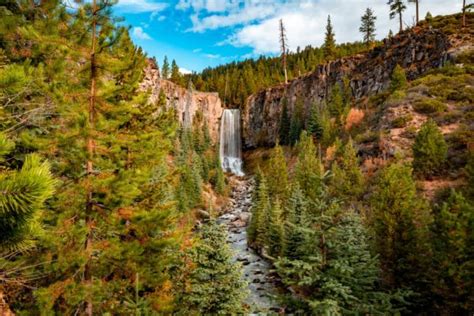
(89, 164)
(464, 13)
(401, 21)
(417, 12)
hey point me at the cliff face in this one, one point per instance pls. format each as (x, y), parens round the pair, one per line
(416, 51)
(186, 103)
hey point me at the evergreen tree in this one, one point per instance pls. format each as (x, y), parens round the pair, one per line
(275, 230)
(399, 80)
(278, 175)
(401, 220)
(165, 69)
(429, 150)
(428, 17)
(347, 181)
(297, 122)
(368, 26)
(215, 286)
(257, 229)
(337, 106)
(308, 169)
(453, 255)
(329, 45)
(296, 215)
(284, 131)
(175, 74)
(23, 195)
(330, 263)
(396, 8)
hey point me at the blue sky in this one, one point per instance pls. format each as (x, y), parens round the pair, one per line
(202, 33)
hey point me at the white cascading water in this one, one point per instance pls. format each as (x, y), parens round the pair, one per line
(230, 143)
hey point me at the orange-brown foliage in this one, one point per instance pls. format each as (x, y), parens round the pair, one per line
(354, 118)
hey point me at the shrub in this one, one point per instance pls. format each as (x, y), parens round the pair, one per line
(429, 106)
(399, 79)
(402, 121)
(429, 150)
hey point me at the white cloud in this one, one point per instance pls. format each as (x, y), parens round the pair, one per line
(208, 5)
(139, 33)
(184, 71)
(305, 22)
(212, 56)
(140, 6)
(197, 50)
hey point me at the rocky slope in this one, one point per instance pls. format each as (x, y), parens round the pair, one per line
(417, 51)
(186, 102)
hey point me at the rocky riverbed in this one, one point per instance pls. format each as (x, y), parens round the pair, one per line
(262, 283)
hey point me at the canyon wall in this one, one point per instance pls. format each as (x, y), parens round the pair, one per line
(417, 51)
(187, 102)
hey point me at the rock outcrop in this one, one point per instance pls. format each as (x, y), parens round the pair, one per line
(417, 51)
(187, 102)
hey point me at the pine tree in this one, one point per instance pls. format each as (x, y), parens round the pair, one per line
(337, 106)
(23, 195)
(453, 252)
(284, 130)
(368, 26)
(329, 45)
(330, 263)
(399, 79)
(278, 175)
(275, 230)
(257, 229)
(401, 220)
(165, 69)
(175, 74)
(215, 286)
(396, 8)
(429, 150)
(296, 214)
(347, 180)
(308, 169)
(297, 122)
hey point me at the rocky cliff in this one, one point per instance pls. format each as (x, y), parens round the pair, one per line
(417, 51)
(187, 102)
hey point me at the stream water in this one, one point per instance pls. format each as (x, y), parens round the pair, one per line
(257, 271)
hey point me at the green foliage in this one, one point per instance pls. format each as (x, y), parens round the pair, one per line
(296, 217)
(308, 169)
(399, 80)
(337, 105)
(257, 230)
(367, 27)
(329, 46)
(396, 8)
(347, 181)
(278, 182)
(402, 121)
(165, 70)
(275, 232)
(453, 246)
(429, 106)
(297, 122)
(215, 285)
(23, 195)
(400, 220)
(429, 150)
(330, 261)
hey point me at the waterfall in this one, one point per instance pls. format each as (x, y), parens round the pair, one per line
(230, 143)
